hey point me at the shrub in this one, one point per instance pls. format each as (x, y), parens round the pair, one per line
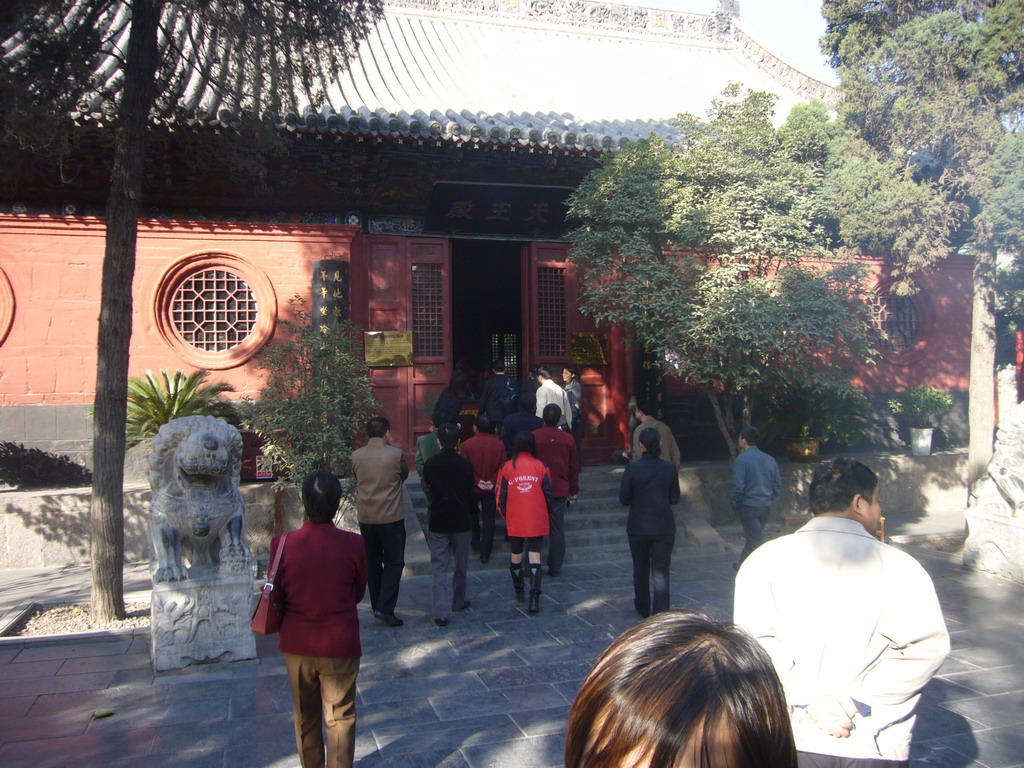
(153, 402)
(835, 414)
(316, 398)
(34, 468)
(921, 405)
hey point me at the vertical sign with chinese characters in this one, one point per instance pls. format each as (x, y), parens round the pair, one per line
(330, 292)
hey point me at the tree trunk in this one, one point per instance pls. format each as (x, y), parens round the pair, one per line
(115, 326)
(981, 409)
(723, 427)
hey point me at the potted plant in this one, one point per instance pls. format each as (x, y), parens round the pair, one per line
(803, 416)
(920, 406)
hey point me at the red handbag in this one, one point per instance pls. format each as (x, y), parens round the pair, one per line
(266, 619)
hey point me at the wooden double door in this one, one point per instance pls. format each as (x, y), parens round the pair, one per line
(468, 302)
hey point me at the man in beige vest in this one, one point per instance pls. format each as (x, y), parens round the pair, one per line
(380, 470)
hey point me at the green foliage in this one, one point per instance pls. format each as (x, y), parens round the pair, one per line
(926, 163)
(316, 397)
(153, 401)
(921, 405)
(835, 414)
(713, 254)
(33, 468)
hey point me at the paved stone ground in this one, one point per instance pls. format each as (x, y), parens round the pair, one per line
(491, 689)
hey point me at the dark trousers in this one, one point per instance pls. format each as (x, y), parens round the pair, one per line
(385, 559)
(556, 536)
(652, 557)
(753, 519)
(813, 760)
(483, 535)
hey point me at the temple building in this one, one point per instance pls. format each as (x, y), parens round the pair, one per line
(424, 198)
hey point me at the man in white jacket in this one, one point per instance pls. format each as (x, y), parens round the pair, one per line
(550, 392)
(853, 625)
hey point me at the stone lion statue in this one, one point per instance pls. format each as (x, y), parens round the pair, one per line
(196, 510)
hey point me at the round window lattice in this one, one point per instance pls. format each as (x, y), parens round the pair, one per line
(214, 310)
(217, 310)
(899, 319)
(907, 323)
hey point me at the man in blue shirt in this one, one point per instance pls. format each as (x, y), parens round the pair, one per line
(755, 485)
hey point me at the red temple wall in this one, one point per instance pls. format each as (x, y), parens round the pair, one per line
(53, 267)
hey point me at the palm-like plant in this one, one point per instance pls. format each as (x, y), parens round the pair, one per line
(153, 401)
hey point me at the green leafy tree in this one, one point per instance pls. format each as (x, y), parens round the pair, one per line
(930, 159)
(317, 396)
(129, 64)
(714, 255)
(153, 401)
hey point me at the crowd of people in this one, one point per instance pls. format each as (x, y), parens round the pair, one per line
(835, 632)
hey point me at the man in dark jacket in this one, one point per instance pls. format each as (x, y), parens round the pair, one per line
(450, 479)
(524, 421)
(650, 487)
(557, 449)
(497, 400)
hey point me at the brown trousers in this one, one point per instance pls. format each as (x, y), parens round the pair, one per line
(324, 694)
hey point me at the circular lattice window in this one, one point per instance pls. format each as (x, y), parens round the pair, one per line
(216, 310)
(903, 322)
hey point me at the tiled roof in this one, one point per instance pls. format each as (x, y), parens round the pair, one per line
(571, 75)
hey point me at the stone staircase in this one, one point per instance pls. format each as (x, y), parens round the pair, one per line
(595, 525)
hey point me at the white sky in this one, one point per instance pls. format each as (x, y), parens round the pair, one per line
(788, 28)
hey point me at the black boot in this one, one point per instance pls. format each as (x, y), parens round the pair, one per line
(518, 581)
(535, 574)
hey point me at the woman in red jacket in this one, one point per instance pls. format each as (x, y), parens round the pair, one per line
(524, 499)
(323, 577)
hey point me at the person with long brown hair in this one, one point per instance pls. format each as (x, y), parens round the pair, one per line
(681, 690)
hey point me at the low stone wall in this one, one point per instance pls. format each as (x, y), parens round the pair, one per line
(49, 528)
(936, 483)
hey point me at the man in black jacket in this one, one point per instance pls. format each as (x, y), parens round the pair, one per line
(650, 487)
(449, 477)
(497, 399)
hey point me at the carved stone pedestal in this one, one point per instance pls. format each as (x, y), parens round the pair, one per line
(202, 621)
(995, 525)
(995, 544)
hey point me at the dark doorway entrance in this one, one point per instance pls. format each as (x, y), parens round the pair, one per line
(486, 307)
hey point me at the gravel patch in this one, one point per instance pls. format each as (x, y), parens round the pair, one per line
(74, 619)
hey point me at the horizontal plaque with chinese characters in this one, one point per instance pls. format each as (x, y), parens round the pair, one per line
(388, 349)
(497, 209)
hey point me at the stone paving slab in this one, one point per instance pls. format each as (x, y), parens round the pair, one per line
(491, 689)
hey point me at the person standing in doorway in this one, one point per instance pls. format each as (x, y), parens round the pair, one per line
(557, 450)
(449, 477)
(524, 500)
(755, 485)
(486, 453)
(449, 402)
(573, 388)
(498, 397)
(649, 488)
(379, 470)
(549, 392)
